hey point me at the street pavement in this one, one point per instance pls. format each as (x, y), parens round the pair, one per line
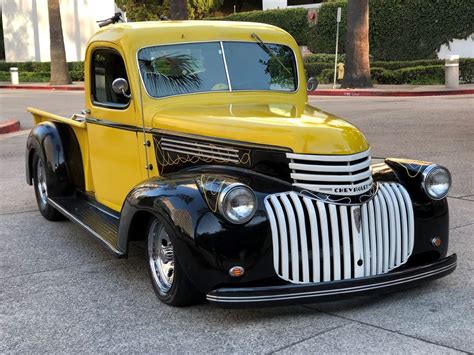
(60, 291)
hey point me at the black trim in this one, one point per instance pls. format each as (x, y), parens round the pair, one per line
(111, 124)
(330, 291)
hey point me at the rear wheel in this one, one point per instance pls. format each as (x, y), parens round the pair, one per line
(41, 191)
(170, 283)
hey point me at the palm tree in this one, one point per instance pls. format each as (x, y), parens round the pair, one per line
(178, 10)
(59, 70)
(357, 66)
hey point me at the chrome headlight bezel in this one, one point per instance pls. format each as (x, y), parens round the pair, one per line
(427, 173)
(224, 194)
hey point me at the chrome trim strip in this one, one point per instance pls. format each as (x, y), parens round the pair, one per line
(195, 144)
(331, 168)
(83, 225)
(331, 292)
(328, 189)
(332, 178)
(225, 67)
(331, 158)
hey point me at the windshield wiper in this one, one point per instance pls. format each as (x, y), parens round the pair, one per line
(268, 50)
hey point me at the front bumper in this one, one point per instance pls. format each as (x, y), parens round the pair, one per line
(330, 291)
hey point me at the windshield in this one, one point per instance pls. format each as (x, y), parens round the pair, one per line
(201, 67)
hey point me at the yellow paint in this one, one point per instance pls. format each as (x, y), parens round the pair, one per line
(114, 159)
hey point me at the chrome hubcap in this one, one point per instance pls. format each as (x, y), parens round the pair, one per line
(161, 256)
(41, 183)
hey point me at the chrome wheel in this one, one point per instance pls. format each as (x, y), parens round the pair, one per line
(161, 256)
(41, 183)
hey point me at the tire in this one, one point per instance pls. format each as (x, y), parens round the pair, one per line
(41, 191)
(169, 281)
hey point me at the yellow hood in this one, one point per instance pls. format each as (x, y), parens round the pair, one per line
(305, 130)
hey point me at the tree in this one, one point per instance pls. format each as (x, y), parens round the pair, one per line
(357, 66)
(59, 70)
(178, 10)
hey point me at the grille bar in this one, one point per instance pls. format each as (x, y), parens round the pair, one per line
(314, 241)
(344, 175)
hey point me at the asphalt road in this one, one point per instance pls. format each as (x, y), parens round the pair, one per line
(60, 291)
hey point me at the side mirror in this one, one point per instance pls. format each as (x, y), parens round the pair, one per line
(120, 86)
(311, 84)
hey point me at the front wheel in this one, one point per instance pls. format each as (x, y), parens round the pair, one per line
(41, 191)
(170, 283)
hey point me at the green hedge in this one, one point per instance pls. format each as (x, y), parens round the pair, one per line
(399, 29)
(38, 71)
(27, 77)
(294, 21)
(428, 75)
(38, 77)
(387, 72)
(39, 66)
(323, 58)
(315, 69)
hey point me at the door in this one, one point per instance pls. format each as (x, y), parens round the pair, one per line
(112, 129)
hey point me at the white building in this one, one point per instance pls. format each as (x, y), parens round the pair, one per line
(26, 27)
(462, 47)
(283, 4)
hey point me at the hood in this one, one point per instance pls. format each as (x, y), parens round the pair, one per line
(303, 130)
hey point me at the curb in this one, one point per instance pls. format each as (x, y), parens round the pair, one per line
(43, 87)
(9, 126)
(339, 92)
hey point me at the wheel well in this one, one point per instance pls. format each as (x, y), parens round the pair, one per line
(139, 226)
(31, 172)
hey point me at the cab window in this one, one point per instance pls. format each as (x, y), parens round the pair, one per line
(107, 65)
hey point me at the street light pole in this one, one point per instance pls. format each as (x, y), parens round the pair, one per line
(338, 19)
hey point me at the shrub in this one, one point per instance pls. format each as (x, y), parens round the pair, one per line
(466, 70)
(427, 75)
(394, 65)
(326, 76)
(399, 29)
(315, 69)
(27, 77)
(323, 58)
(294, 21)
(27, 69)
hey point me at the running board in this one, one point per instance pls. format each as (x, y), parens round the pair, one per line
(97, 221)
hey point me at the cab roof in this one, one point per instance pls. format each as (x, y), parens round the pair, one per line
(136, 35)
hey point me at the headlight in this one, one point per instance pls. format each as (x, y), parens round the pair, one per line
(237, 203)
(436, 181)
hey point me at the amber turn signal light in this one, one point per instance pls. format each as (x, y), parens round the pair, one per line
(236, 271)
(436, 242)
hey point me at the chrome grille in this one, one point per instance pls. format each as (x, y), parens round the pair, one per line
(346, 175)
(314, 241)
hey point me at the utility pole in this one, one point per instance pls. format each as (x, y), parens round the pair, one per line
(338, 19)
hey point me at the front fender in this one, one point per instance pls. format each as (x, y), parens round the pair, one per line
(208, 244)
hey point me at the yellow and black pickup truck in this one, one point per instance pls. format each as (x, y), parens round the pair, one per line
(197, 137)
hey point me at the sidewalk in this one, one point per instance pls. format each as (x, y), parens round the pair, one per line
(322, 90)
(75, 86)
(394, 90)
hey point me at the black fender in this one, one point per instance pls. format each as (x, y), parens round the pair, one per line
(57, 145)
(208, 244)
(431, 216)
